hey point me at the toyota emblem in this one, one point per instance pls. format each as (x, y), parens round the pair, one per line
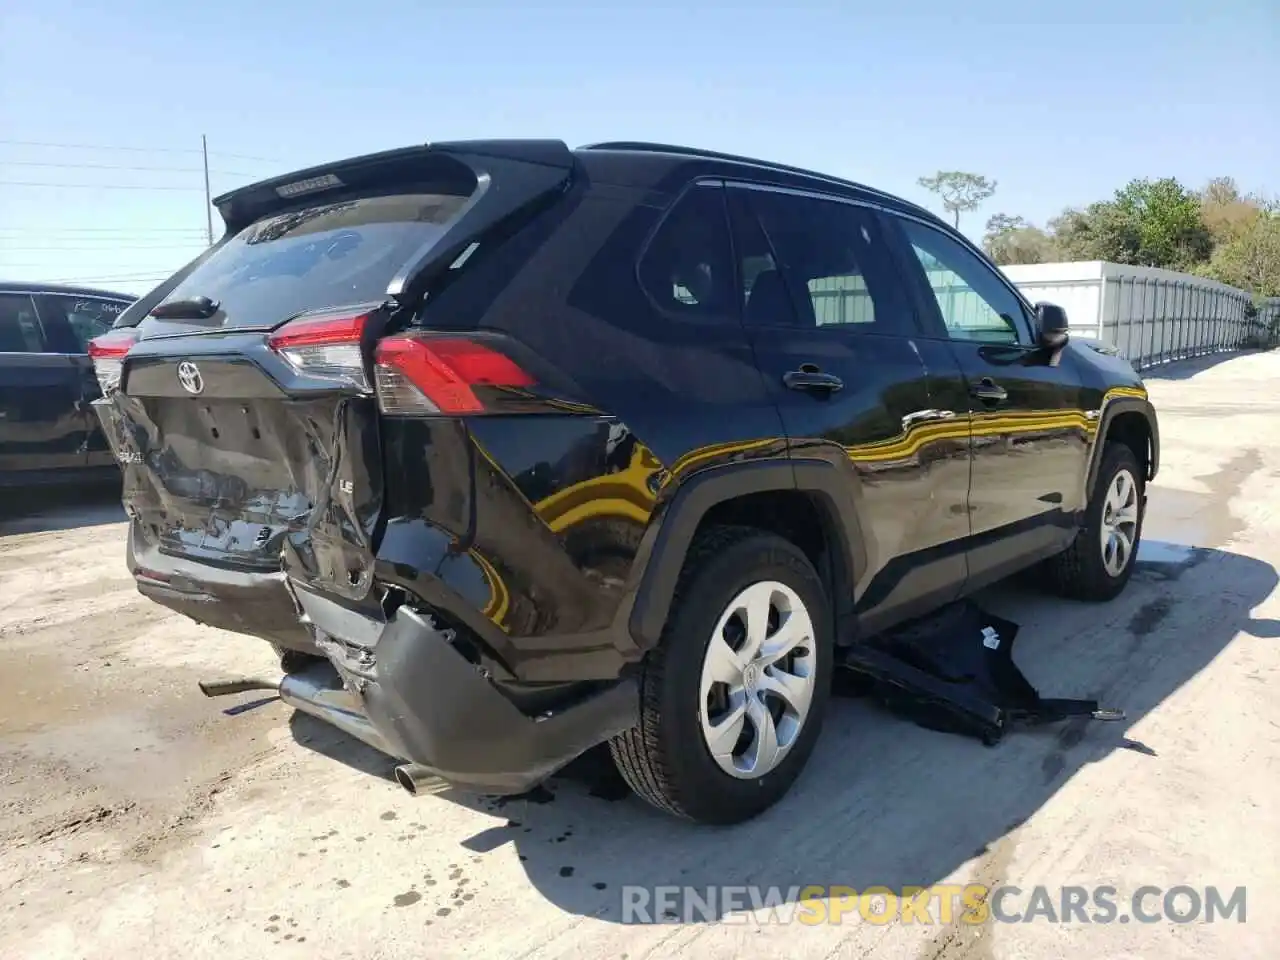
(189, 377)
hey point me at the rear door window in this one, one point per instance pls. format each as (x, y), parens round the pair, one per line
(326, 255)
(20, 329)
(824, 256)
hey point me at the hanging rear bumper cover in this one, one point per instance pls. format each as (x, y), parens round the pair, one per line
(432, 707)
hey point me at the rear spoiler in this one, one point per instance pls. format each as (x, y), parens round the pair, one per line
(526, 171)
(440, 161)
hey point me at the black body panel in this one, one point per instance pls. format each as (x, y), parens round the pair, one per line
(562, 501)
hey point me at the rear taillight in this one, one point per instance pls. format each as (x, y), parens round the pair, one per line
(325, 345)
(107, 353)
(419, 374)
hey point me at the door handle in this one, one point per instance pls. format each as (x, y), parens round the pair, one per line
(988, 391)
(926, 416)
(809, 377)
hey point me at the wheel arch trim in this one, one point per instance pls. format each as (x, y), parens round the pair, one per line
(835, 494)
(1114, 407)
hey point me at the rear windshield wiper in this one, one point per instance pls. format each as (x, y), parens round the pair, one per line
(191, 308)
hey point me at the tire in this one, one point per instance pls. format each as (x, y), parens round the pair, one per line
(1080, 572)
(666, 758)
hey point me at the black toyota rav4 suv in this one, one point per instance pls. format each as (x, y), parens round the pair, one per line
(513, 449)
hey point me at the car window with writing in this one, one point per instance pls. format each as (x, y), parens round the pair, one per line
(91, 317)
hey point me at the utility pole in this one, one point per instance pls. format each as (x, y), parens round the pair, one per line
(208, 200)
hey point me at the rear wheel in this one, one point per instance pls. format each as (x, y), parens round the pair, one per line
(1100, 561)
(733, 696)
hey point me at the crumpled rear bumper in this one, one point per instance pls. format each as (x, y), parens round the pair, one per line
(257, 604)
(431, 706)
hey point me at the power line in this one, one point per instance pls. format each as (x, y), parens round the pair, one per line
(112, 277)
(177, 244)
(46, 265)
(116, 166)
(119, 276)
(94, 186)
(105, 147)
(104, 281)
(101, 230)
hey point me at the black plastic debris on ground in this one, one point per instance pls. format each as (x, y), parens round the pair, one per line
(954, 672)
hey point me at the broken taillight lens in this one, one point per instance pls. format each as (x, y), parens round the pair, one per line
(107, 353)
(325, 345)
(419, 374)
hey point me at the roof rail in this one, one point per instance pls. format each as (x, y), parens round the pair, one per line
(641, 146)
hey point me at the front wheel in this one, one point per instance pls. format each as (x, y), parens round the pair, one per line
(733, 696)
(1100, 561)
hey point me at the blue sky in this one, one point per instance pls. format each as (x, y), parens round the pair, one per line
(1061, 103)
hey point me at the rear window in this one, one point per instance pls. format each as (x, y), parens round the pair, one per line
(316, 257)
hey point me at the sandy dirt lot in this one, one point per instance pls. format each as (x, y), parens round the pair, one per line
(139, 819)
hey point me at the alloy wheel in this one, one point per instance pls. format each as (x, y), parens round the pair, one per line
(1119, 533)
(758, 679)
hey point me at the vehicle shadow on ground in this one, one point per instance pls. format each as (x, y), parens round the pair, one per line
(884, 802)
(41, 511)
(1188, 368)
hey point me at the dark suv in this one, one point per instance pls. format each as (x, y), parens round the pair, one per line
(513, 449)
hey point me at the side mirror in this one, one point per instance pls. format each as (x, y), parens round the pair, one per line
(1051, 325)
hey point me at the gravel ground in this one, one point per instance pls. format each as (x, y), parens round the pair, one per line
(139, 819)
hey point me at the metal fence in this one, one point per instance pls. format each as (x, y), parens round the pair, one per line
(1269, 319)
(1151, 316)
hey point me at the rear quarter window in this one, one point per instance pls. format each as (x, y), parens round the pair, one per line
(656, 266)
(687, 267)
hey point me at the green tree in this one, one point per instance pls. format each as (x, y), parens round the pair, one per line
(1011, 239)
(1171, 232)
(999, 223)
(1226, 211)
(1098, 232)
(1149, 223)
(1251, 259)
(959, 191)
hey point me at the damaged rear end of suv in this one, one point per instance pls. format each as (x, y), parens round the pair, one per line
(513, 450)
(293, 418)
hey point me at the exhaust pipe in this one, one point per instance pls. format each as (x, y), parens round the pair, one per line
(415, 779)
(225, 688)
(317, 691)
